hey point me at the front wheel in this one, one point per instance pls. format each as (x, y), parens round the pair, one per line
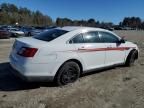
(68, 73)
(131, 58)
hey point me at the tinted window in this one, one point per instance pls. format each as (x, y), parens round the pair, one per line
(50, 35)
(91, 37)
(108, 37)
(77, 39)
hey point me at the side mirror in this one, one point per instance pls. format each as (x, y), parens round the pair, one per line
(122, 40)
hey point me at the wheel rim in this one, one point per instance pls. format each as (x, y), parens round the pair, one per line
(69, 75)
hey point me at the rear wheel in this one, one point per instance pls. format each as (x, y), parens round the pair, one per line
(68, 73)
(131, 58)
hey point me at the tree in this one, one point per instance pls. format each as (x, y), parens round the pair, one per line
(91, 22)
(133, 22)
(10, 14)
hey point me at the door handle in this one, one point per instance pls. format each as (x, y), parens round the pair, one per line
(81, 48)
(109, 46)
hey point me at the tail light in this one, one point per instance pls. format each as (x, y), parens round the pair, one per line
(27, 52)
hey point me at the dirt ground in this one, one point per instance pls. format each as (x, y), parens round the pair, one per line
(120, 87)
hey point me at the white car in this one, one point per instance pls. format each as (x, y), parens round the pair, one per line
(16, 32)
(63, 54)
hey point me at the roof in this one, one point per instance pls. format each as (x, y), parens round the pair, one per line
(72, 28)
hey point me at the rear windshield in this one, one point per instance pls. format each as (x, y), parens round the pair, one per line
(50, 35)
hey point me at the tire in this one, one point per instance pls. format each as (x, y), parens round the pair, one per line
(29, 34)
(68, 73)
(131, 58)
(13, 35)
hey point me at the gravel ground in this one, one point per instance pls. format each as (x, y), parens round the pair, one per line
(120, 87)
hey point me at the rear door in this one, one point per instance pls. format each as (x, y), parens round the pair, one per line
(90, 49)
(115, 52)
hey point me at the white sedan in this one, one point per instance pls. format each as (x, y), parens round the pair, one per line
(63, 54)
(15, 32)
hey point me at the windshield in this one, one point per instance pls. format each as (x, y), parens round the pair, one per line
(50, 35)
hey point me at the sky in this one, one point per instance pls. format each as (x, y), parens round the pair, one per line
(102, 10)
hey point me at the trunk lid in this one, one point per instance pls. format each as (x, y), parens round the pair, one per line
(26, 42)
(30, 41)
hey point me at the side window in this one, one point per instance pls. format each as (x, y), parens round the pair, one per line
(91, 37)
(108, 37)
(77, 39)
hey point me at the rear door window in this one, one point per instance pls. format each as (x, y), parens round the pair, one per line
(77, 39)
(91, 37)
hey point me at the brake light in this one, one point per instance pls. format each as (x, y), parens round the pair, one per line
(27, 52)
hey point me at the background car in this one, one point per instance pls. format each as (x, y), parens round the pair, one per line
(16, 32)
(27, 30)
(63, 54)
(4, 34)
(35, 31)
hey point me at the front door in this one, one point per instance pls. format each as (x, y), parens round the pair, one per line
(115, 52)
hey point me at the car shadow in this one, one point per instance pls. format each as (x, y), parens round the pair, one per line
(9, 82)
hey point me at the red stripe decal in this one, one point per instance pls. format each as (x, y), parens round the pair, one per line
(100, 49)
(104, 49)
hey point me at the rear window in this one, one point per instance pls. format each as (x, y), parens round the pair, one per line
(50, 35)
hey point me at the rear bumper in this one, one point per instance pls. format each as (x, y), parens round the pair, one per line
(32, 72)
(31, 78)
